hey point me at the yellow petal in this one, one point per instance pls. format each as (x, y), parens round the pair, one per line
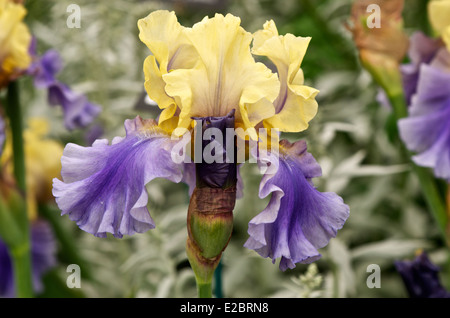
(439, 15)
(295, 105)
(261, 36)
(226, 76)
(171, 49)
(166, 39)
(15, 40)
(154, 84)
(446, 37)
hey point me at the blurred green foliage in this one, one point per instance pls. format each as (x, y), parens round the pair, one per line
(388, 218)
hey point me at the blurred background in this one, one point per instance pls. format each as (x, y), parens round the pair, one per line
(388, 218)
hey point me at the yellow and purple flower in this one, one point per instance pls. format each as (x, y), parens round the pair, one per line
(206, 77)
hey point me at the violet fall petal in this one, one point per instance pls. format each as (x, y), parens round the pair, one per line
(299, 219)
(103, 187)
(427, 131)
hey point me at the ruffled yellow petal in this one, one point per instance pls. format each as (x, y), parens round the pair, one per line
(15, 40)
(166, 39)
(295, 105)
(171, 50)
(154, 84)
(226, 76)
(439, 15)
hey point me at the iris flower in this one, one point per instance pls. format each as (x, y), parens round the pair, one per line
(207, 76)
(15, 39)
(426, 130)
(421, 277)
(78, 110)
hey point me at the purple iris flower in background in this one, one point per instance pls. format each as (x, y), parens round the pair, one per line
(78, 110)
(426, 130)
(43, 258)
(422, 50)
(421, 278)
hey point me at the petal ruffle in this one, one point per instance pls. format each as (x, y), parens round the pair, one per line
(104, 185)
(426, 130)
(295, 105)
(422, 49)
(226, 76)
(171, 50)
(298, 219)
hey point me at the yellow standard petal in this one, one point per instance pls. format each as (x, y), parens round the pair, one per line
(439, 15)
(295, 105)
(171, 50)
(226, 76)
(15, 40)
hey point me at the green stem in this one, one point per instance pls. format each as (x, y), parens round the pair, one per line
(218, 281)
(434, 200)
(22, 270)
(14, 113)
(204, 290)
(21, 250)
(398, 103)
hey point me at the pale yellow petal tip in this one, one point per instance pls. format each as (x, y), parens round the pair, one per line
(179, 131)
(446, 37)
(261, 36)
(155, 16)
(439, 15)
